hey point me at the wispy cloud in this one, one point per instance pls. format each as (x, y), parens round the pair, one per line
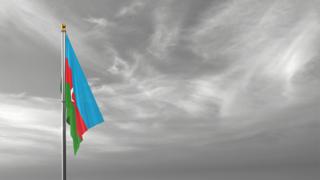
(165, 34)
(36, 20)
(131, 9)
(100, 22)
(28, 124)
(32, 18)
(264, 65)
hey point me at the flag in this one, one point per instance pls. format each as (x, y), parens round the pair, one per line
(82, 112)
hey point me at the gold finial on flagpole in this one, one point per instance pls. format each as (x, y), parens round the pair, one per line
(63, 27)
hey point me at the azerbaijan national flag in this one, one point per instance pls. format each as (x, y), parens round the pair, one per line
(82, 111)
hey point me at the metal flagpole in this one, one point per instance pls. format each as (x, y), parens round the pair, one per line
(63, 74)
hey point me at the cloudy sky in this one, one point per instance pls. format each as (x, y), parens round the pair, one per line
(189, 89)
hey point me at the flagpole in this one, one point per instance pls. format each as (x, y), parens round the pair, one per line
(63, 54)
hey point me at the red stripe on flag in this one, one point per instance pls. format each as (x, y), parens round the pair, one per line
(80, 125)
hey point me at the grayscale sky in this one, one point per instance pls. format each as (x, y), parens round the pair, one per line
(189, 89)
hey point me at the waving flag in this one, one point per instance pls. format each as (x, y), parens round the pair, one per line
(82, 111)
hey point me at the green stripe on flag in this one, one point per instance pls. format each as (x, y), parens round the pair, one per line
(71, 119)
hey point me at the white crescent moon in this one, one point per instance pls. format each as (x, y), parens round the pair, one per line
(72, 100)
